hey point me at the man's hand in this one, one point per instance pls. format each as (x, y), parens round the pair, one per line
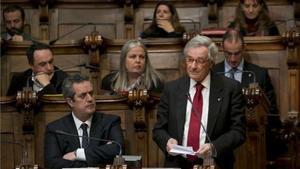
(165, 25)
(170, 144)
(43, 78)
(18, 38)
(204, 151)
(70, 156)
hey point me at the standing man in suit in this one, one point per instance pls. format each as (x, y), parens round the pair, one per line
(217, 107)
(64, 151)
(43, 77)
(235, 66)
(14, 20)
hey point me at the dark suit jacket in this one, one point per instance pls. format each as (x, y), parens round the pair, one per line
(226, 119)
(103, 126)
(20, 80)
(264, 81)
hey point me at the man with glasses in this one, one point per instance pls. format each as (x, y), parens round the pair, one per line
(246, 73)
(202, 110)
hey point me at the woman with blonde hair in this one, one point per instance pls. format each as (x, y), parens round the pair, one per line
(135, 71)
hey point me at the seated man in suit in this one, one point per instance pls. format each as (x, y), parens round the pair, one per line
(213, 123)
(68, 150)
(14, 20)
(236, 67)
(43, 77)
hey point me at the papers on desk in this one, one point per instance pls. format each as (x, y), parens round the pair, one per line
(177, 149)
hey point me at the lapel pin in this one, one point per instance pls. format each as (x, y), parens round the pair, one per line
(249, 75)
(219, 99)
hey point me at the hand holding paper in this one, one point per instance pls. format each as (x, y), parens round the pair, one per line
(177, 149)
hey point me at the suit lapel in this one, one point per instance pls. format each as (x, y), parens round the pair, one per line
(71, 128)
(96, 129)
(247, 77)
(215, 101)
(183, 88)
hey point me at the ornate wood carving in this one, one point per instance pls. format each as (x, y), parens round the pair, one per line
(291, 39)
(254, 150)
(93, 43)
(26, 102)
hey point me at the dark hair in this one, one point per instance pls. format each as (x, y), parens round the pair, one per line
(33, 48)
(67, 86)
(233, 35)
(174, 19)
(13, 8)
(263, 22)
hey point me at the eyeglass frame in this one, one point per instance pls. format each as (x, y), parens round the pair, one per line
(198, 61)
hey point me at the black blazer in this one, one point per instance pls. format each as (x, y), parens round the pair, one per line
(226, 118)
(103, 126)
(264, 81)
(20, 80)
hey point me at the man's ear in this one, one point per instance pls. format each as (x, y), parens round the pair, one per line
(70, 102)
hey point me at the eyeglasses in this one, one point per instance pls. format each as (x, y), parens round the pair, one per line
(198, 61)
(238, 53)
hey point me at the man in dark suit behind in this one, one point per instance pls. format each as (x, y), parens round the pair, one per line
(233, 65)
(222, 112)
(43, 77)
(64, 151)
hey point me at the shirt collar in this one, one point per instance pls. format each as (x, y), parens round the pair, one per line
(79, 122)
(228, 67)
(205, 83)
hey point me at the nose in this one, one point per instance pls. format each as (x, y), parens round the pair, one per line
(251, 9)
(89, 97)
(12, 24)
(49, 66)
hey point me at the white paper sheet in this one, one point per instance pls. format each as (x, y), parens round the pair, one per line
(178, 149)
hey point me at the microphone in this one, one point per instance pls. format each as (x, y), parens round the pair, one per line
(215, 153)
(51, 42)
(92, 138)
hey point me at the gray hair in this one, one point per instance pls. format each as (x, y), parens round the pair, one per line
(67, 86)
(198, 41)
(151, 76)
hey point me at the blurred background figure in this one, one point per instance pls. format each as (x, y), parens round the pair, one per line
(165, 22)
(135, 71)
(252, 19)
(14, 20)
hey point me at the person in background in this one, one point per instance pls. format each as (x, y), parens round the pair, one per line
(43, 77)
(70, 151)
(216, 111)
(135, 71)
(233, 66)
(165, 23)
(252, 19)
(14, 21)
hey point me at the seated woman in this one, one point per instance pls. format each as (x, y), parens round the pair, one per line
(165, 22)
(252, 19)
(135, 71)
